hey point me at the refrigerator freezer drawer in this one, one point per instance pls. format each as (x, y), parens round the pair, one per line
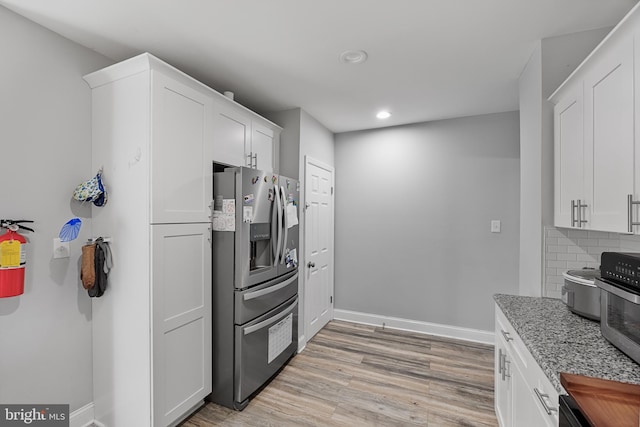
(260, 299)
(263, 347)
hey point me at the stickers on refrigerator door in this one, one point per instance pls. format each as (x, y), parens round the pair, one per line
(291, 259)
(247, 214)
(249, 198)
(229, 206)
(224, 218)
(292, 215)
(280, 337)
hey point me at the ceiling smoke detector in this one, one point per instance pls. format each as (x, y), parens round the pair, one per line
(353, 56)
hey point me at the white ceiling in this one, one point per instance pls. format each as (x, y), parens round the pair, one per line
(428, 59)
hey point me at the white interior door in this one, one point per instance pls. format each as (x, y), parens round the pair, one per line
(318, 268)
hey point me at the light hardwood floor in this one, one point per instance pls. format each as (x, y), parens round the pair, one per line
(358, 375)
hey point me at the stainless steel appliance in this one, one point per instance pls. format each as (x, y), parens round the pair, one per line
(570, 414)
(620, 301)
(255, 281)
(580, 293)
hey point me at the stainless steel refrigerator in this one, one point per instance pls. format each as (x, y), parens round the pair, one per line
(255, 281)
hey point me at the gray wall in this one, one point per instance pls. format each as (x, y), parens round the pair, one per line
(413, 211)
(551, 62)
(289, 147)
(315, 141)
(45, 116)
(302, 136)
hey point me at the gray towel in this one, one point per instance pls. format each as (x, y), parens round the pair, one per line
(103, 264)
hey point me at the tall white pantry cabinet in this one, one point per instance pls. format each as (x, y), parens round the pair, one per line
(152, 128)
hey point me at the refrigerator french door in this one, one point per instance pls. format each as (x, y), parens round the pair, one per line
(255, 281)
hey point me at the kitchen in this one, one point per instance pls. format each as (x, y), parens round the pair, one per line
(486, 184)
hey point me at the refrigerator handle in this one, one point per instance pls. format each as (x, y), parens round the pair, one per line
(262, 292)
(276, 255)
(285, 224)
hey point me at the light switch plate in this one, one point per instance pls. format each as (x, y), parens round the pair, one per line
(60, 249)
(495, 225)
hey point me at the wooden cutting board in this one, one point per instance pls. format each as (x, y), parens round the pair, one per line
(604, 403)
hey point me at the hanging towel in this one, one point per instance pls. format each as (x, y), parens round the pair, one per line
(102, 266)
(87, 271)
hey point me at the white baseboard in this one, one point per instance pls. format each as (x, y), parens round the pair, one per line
(302, 343)
(82, 417)
(466, 334)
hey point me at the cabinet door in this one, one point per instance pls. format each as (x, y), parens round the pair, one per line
(181, 301)
(609, 144)
(231, 135)
(524, 406)
(569, 155)
(636, 187)
(262, 143)
(181, 165)
(502, 383)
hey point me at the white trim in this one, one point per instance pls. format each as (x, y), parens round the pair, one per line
(146, 62)
(302, 341)
(82, 417)
(308, 160)
(598, 48)
(321, 165)
(465, 334)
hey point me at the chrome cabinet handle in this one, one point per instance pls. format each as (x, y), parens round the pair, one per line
(630, 203)
(506, 336)
(500, 367)
(542, 398)
(249, 161)
(506, 362)
(579, 206)
(573, 213)
(255, 161)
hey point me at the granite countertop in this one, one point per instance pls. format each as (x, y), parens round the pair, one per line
(561, 341)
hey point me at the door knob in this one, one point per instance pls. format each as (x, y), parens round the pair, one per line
(311, 264)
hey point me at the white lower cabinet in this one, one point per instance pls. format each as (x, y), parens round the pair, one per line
(502, 383)
(524, 396)
(181, 301)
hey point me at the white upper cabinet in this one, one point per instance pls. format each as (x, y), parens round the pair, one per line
(569, 157)
(181, 165)
(596, 151)
(262, 145)
(231, 135)
(609, 142)
(241, 138)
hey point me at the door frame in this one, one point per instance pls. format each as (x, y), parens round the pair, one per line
(308, 160)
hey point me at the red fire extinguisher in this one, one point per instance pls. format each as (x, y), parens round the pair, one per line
(13, 258)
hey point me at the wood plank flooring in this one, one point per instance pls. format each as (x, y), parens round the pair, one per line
(359, 375)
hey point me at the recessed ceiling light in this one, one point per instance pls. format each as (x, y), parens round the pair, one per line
(353, 56)
(383, 115)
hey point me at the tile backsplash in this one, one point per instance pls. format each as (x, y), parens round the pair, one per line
(569, 249)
